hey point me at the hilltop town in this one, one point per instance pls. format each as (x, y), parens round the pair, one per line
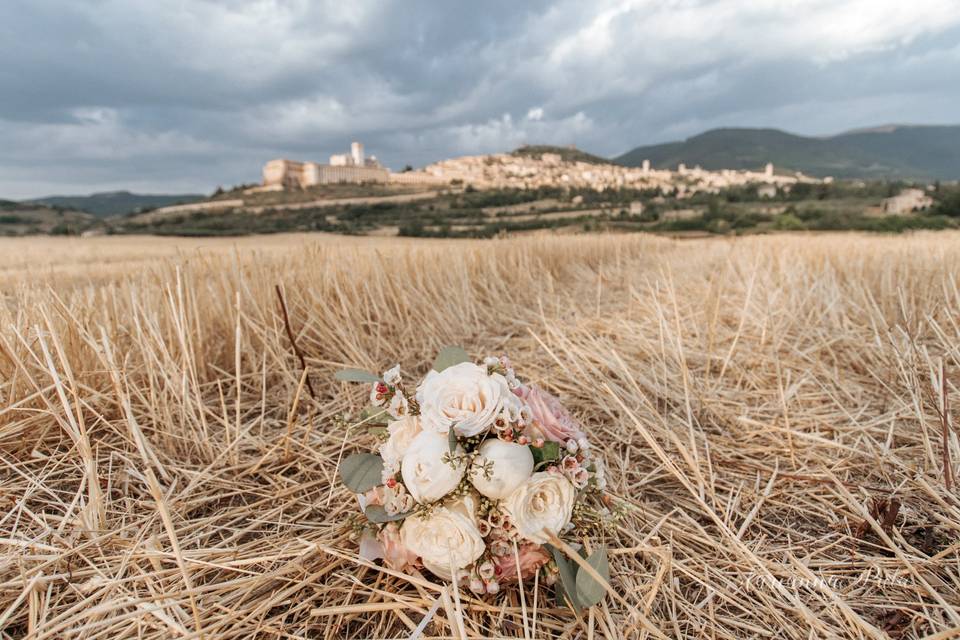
(522, 171)
(532, 188)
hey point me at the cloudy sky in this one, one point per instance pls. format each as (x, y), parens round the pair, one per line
(184, 95)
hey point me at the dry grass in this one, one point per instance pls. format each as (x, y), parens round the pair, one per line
(770, 408)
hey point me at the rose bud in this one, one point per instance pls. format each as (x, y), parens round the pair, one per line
(512, 466)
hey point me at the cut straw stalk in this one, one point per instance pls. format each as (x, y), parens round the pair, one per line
(749, 398)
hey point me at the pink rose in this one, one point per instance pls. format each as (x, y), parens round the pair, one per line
(532, 557)
(395, 554)
(550, 419)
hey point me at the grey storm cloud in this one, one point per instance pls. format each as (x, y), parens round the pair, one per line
(169, 96)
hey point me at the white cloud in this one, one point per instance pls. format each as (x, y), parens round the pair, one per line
(504, 133)
(628, 45)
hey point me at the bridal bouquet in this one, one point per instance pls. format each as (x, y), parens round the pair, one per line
(476, 473)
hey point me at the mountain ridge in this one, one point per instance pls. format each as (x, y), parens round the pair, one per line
(923, 152)
(111, 203)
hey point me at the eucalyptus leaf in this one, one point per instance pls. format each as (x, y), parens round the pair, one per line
(361, 472)
(568, 580)
(452, 440)
(448, 357)
(355, 375)
(589, 591)
(376, 513)
(560, 596)
(375, 415)
(549, 452)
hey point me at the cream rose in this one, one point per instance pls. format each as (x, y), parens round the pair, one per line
(401, 433)
(545, 501)
(464, 397)
(425, 474)
(448, 539)
(510, 466)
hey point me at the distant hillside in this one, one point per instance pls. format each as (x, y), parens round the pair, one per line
(112, 203)
(921, 152)
(569, 154)
(25, 218)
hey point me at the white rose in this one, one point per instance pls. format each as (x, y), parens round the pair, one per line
(448, 539)
(512, 466)
(401, 434)
(463, 396)
(545, 501)
(426, 475)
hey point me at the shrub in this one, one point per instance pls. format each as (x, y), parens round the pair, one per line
(412, 229)
(788, 222)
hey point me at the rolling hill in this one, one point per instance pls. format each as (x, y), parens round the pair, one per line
(113, 203)
(919, 152)
(567, 154)
(27, 218)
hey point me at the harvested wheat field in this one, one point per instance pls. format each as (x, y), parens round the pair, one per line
(773, 412)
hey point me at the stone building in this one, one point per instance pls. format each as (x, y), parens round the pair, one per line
(907, 201)
(343, 168)
(767, 190)
(416, 177)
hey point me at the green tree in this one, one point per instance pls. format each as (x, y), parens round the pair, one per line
(948, 204)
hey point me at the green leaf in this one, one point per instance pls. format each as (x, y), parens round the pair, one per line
(376, 431)
(589, 591)
(375, 415)
(448, 357)
(549, 452)
(567, 586)
(362, 472)
(355, 375)
(452, 440)
(376, 513)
